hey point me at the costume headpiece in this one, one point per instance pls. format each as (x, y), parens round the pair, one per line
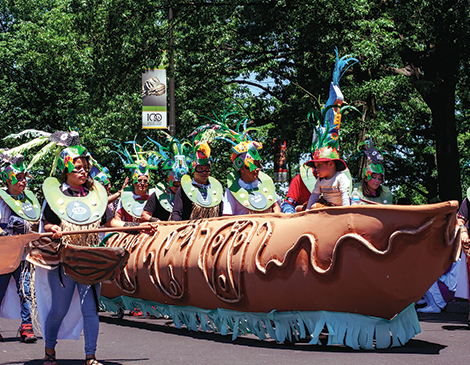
(175, 158)
(100, 173)
(140, 163)
(327, 121)
(63, 156)
(375, 159)
(11, 166)
(245, 150)
(179, 157)
(201, 155)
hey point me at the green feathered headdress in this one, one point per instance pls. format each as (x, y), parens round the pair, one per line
(63, 157)
(140, 163)
(245, 150)
(174, 157)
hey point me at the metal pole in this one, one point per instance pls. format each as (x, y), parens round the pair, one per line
(171, 83)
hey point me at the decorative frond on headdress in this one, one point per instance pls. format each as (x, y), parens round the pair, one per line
(140, 162)
(56, 141)
(222, 129)
(41, 154)
(175, 157)
(367, 148)
(123, 153)
(28, 145)
(166, 155)
(245, 150)
(28, 133)
(327, 121)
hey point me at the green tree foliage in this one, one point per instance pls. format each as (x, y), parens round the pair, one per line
(79, 63)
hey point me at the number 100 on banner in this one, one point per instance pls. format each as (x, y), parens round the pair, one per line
(154, 108)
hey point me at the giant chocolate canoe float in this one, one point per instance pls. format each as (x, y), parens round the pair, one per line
(358, 270)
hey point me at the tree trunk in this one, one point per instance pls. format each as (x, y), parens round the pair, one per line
(441, 68)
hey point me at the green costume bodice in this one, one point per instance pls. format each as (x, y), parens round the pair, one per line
(74, 209)
(206, 198)
(27, 207)
(257, 199)
(132, 206)
(166, 200)
(306, 174)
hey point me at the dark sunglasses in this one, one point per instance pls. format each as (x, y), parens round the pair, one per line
(203, 169)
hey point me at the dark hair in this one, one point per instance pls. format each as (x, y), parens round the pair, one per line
(89, 183)
(366, 191)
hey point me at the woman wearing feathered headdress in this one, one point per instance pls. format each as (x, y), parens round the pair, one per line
(199, 197)
(72, 202)
(371, 188)
(19, 208)
(133, 198)
(175, 160)
(249, 189)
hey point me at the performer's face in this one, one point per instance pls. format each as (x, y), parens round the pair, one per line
(375, 181)
(250, 176)
(79, 174)
(19, 187)
(325, 169)
(201, 174)
(176, 185)
(140, 188)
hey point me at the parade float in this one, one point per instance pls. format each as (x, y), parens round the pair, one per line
(354, 272)
(357, 270)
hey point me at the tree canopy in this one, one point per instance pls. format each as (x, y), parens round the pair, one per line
(71, 63)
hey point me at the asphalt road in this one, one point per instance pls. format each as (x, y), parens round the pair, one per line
(444, 339)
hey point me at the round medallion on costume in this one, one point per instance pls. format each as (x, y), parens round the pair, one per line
(207, 198)
(257, 200)
(29, 210)
(203, 197)
(138, 207)
(260, 199)
(132, 206)
(78, 211)
(27, 207)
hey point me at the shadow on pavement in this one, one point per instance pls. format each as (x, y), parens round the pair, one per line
(78, 362)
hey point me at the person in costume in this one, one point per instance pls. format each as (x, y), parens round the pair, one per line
(325, 179)
(455, 280)
(199, 197)
(249, 189)
(175, 159)
(134, 198)
(371, 188)
(19, 209)
(75, 202)
(332, 184)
